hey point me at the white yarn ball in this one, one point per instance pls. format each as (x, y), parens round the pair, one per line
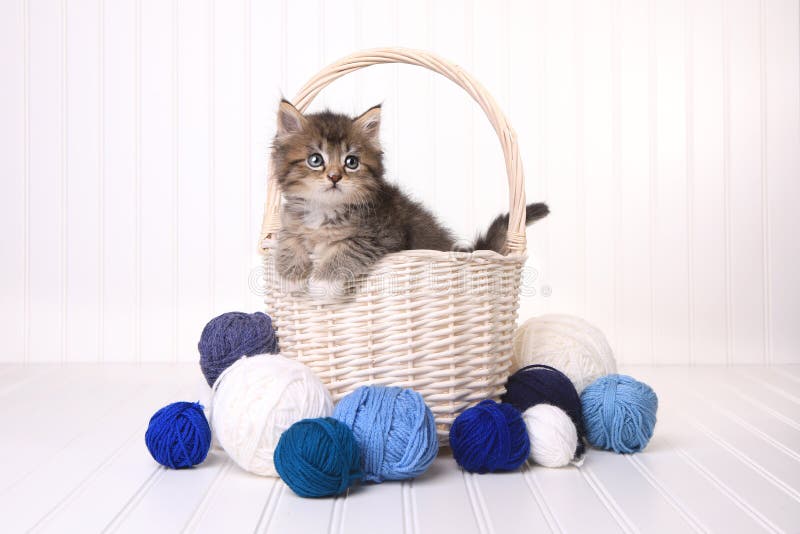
(570, 344)
(552, 434)
(256, 399)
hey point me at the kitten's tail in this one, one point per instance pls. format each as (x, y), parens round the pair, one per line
(495, 236)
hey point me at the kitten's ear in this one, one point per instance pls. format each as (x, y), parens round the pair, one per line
(290, 120)
(369, 122)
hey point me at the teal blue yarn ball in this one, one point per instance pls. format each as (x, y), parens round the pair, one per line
(619, 413)
(318, 457)
(490, 437)
(394, 428)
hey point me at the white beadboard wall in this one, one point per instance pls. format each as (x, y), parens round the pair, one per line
(665, 136)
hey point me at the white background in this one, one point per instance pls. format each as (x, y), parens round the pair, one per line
(665, 136)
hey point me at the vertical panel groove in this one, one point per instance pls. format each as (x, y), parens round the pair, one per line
(119, 518)
(338, 510)
(137, 179)
(321, 48)
(579, 152)
(26, 44)
(101, 208)
(248, 146)
(616, 165)
(409, 507)
(321, 32)
(551, 518)
(176, 201)
(543, 127)
(726, 151)
(765, 216)
(689, 114)
(725, 489)
(276, 492)
(63, 189)
(265, 513)
(432, 122)
(746, 459)
(284, 46)
(396, 92)
(359, 39)
(652, 111)
(213, 489)
(212, 139)
(480, 513)
(506, 37)
(674, 501)
(469, 32)
(613, 508)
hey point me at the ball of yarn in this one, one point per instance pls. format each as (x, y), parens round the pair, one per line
(178, 435)
(489, 437)
(318, 457)
(552, 433)
(256, 400)
(230, 336)
(541, 384)
(567, 343)
(619, 413)
(394, 428)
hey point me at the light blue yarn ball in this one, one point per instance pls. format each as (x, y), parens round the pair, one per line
(395, 431)
(619, 413)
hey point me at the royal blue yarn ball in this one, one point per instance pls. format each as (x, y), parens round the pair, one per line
(318, 457)
(395, 431)
(178, 435)
(619, 413)
(490, 437)
(542, 384)
(230, 336)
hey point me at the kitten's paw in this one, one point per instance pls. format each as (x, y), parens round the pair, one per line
(326, 289)
(291, 285)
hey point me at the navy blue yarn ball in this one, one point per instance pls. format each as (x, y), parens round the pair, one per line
(490, 437)
(318, 457)
(178, 435)
(542, 384)
(232, 335)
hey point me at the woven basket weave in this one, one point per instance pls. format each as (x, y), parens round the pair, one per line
(438, 322)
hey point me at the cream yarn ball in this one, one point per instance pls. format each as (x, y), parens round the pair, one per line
(256, 399)
(570, 344)
(552, 434)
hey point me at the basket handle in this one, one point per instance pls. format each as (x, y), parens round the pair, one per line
(515, 239)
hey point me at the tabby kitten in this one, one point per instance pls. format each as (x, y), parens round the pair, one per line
(338, 206)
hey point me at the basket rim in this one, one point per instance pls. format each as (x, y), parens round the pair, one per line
(443, 256)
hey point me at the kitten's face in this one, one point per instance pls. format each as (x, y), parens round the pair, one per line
(326, 157)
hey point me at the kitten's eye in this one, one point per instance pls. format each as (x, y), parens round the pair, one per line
(315, 161)
(351, 162)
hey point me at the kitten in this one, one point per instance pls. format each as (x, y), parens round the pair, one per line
(338, 206)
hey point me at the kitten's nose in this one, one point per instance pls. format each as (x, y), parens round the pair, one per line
(334, 176)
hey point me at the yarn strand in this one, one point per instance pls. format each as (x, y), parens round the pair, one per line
(394, 428)
(620, 413)
(178, 435)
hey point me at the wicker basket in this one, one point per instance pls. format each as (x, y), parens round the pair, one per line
(438, 322)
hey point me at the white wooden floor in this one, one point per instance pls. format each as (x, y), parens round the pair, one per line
(725, 458)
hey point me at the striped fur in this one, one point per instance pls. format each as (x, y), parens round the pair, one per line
(338, 221)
